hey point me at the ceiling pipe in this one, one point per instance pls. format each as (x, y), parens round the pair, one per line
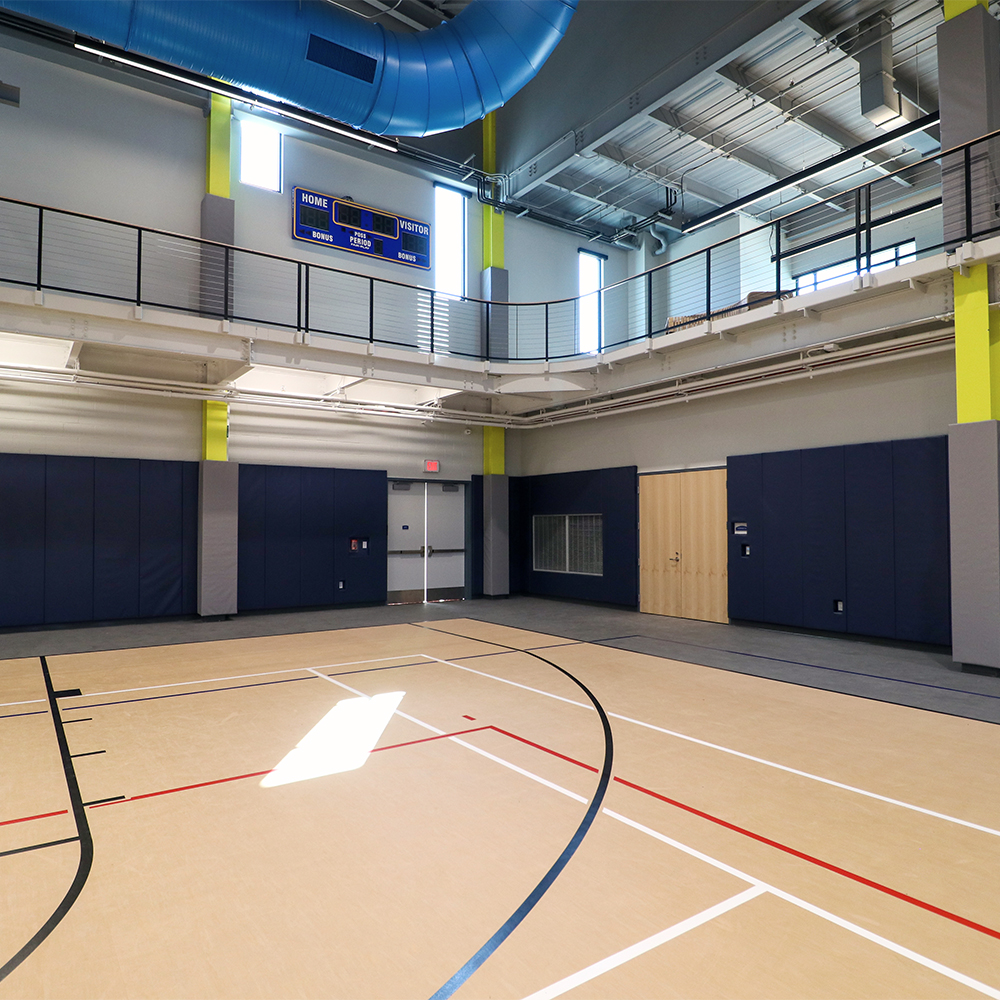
(333, 63)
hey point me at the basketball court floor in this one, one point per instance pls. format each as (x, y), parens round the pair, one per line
(457, 807)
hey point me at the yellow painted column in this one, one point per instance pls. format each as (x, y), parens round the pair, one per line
(218, 157)
(952, 8)
(492, 219)
(977, 332)
(493, 451)
(215, 430)
(218, 163)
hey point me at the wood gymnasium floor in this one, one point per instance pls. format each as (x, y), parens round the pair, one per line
(541, 817)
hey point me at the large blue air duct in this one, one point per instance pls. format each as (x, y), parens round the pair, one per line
(321, 58)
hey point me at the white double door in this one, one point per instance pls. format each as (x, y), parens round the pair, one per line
(426, 541)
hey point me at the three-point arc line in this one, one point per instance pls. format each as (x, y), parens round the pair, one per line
(760, 838)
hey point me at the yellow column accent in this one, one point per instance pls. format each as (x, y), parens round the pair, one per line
(218, 154)
(492, 220)
(218, 160)
(493, 451)
(952, 8)
(215, 430)
(977, 348)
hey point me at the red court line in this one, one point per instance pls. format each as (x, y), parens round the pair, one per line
(815, 861)
(180, 788)
(930, 907)
(24, 819)
(428, 739)
(538, 746)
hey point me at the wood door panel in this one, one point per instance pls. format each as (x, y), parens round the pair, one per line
(659, 541)
(704, 576)
(683, 514)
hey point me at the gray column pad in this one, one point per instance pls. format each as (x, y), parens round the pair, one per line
(218, 223)
(969, 78)
(496, 545)
(218, 523)
(496, 288)
(974, 483)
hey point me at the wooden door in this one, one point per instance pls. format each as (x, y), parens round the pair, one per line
(682, 545)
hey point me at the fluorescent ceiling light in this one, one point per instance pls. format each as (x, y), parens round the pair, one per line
(340, 741)
(236, 94)
(293, 381)
(20, 351)
(374, 391)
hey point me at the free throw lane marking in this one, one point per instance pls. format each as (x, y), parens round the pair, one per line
(627, 954)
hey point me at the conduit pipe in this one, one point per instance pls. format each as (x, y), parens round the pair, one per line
(325, 60)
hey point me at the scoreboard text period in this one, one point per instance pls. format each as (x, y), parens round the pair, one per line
(346, 225)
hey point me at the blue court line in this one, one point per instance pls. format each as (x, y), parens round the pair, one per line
(511, 923)
(371, 670)
(18, 715)
(814, 666)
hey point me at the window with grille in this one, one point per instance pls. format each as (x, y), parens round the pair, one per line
(880, 260)
(569, 543)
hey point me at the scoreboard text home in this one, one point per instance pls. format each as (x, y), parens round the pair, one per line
(346, 225)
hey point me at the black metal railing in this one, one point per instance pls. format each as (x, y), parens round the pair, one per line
(50, 249)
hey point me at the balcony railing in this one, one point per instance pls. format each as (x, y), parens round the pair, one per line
(53, 250)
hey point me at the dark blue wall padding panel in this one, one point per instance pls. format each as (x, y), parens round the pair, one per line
(161, 539)
(613, 493)
(282, 527)
(252, 561)
(295, 531)
(476, 534)
(189, 531)
(22, 540)
(69, 538)
(318, 584)
(362, 511)
(745, 505)
(781, 474)
(824, 554)
(116, 538)
(921, 540)
(871, 576)
(96, 539)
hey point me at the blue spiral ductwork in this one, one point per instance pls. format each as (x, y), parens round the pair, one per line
(328, 61)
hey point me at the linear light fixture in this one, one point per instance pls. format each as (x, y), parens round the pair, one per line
(920, 125)
(236, 94)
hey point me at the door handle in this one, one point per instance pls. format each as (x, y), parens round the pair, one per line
(676, 557)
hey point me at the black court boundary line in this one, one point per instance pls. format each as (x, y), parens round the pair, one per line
(38, 847)
(235, 687)
(594, 807)
(83, 835)
(795, 663)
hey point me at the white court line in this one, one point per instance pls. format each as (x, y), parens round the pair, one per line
(503, 680)
(746, 756)
(929, 963)
(627, 954)
(11, 704)
(468, 746)
(219, 680)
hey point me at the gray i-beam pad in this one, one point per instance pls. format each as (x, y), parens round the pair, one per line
(496, 545)
(968, 48)
(974, 483)
(218, 537)
(218, 223)
(496, 288)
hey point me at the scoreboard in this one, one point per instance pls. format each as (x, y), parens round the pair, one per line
(346, 225)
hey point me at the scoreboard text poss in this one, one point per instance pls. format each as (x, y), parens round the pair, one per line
(321, 218)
